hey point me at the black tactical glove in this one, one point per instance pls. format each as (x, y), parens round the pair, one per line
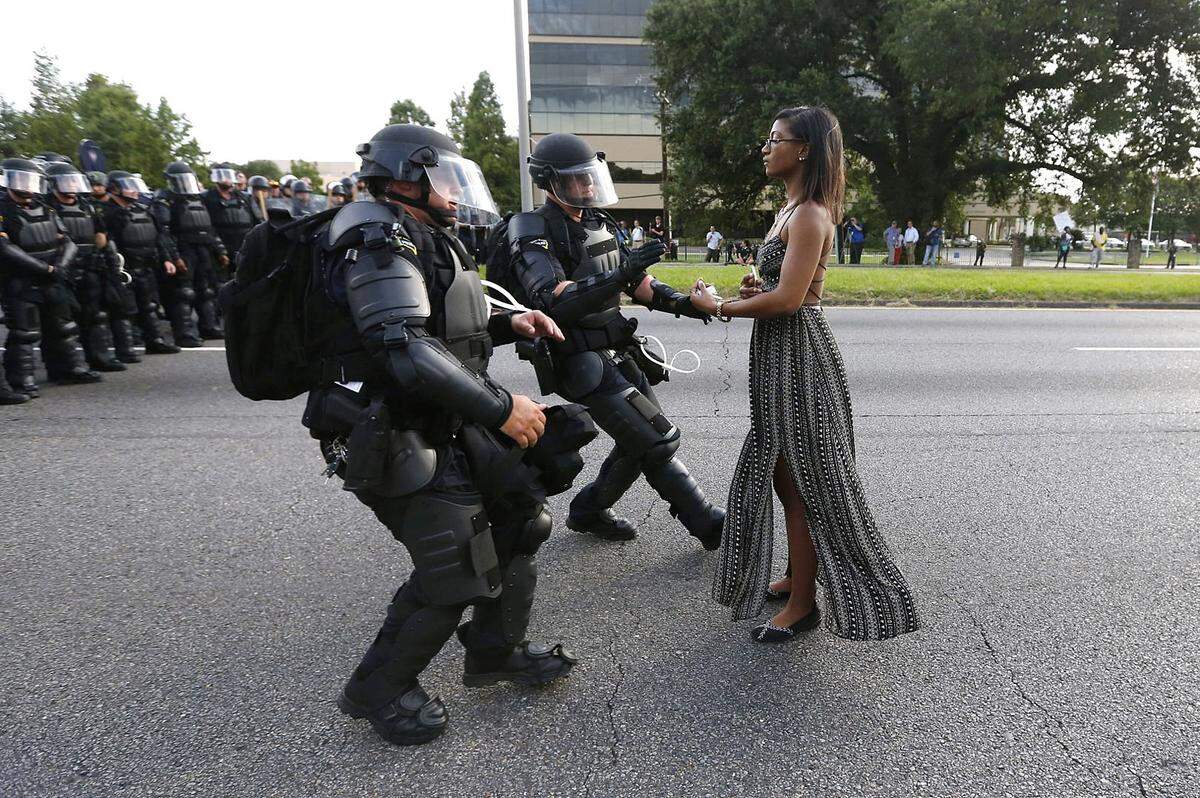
(635, 265)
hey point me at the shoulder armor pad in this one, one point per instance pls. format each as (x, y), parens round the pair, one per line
(355, 215)
(526, 225)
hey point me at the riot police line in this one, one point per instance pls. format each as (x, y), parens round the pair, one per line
(99, 263)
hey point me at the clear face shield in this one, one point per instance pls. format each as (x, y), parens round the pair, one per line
(28, 182)
(71, 184)
(183, 183)
(225, 177)
(586, 185)
(461, 181)
(132, 187)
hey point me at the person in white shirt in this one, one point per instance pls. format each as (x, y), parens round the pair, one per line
(911, 236)
(713, 242)
(637, 235)
(1099, 241)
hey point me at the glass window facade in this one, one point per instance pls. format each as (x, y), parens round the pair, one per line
(588, 17)
(592, 88)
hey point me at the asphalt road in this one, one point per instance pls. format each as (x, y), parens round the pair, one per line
(183, 594)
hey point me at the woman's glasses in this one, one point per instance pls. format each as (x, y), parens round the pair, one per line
(770, 143)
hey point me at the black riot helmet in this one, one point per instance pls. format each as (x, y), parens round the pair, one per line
(339, 190)
(127, 185)
(23, 177)
(422, 155)
(66, 179)
(181, 179)
(300, 186)
(51, 157)
(566, 166)
(97, 178)
(259, 182)
(223, 174)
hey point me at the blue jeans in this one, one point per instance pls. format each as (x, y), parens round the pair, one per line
(931, 254)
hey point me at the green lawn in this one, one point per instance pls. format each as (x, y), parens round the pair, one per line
(881, 285)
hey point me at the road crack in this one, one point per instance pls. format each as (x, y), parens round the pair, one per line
(723, 368)
(1054, 722)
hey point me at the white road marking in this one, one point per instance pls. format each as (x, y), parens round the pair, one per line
(1137, 349)
(203, 349)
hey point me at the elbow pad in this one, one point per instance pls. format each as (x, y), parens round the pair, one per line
(589, 295)
(424, 367)
(533, 263)
(21, 260)
(667, 300)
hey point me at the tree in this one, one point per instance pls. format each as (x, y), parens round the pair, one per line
(134, 136)
(310, 171)
(268, 169)
(477, 124)
(407, 112)
(941, 99)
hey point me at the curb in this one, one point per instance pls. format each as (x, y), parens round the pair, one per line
(1011, 303)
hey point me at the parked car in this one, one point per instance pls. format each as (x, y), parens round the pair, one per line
(964, 241)
(1180, 245)
(1115, 242)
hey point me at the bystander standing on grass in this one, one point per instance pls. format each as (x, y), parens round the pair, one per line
(713, 242)
(1099, 241)
(855, 236)
(637, 236)
(980, 248)
(895, 240)
(1172, 250)
(911, 237)
(1064, 247)
(933, 244)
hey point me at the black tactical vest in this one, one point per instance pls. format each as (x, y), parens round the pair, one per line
(583, 250)
(80, 221)
(139, 234)
(34, 229)
(229, 215)
(190, 222)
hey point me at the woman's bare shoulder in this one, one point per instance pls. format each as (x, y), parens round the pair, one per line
(809, 219)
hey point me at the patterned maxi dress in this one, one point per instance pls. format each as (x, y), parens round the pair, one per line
(800, 409)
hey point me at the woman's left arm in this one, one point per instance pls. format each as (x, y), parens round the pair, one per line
(807, 233)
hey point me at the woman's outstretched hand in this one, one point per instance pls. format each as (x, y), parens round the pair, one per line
(751, 285)
(702, 299)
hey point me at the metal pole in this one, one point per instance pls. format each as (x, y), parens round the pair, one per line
(522, 105)
(1150, 231)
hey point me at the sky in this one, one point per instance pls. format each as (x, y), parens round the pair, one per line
(278, 80)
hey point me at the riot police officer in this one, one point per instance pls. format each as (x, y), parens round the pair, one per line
(199, 254)
(228, 208)
(302, 201)
(96, 267)
(338, 195)
(148, 252)
(37, 255)
(98, 181)
(435, 446)
(567, 262)
(260, 192)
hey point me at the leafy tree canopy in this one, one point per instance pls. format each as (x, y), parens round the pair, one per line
(477, 124)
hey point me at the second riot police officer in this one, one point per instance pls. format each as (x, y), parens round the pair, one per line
(567, 261)
(229, 208)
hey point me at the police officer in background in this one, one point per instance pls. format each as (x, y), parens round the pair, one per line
(302, 201)
(148, 252)
(338, 195)
(198, 253)
(228, 208)
(36, 254)
(406, 325)
(95, 267)
(98, 181)
(568, 263)
(260, 192)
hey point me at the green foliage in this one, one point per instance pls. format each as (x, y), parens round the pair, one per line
(310, 171)
(268, 169)
(134, 137)
(407, 112)
(942, 99)
(477, 124)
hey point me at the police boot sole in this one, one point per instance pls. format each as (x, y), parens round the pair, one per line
(109, 365)
(13, 398)
(522, 678)
(604, 532)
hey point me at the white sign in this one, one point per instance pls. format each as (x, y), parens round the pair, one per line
(1062, 220)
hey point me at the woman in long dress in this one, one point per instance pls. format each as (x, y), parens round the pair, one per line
(801, 437)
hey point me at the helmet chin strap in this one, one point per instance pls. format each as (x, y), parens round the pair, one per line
(442, 215)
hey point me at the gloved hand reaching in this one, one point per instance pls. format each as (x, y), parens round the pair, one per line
(641, 259)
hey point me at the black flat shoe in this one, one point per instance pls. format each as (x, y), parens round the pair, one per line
(768, 632)
(777, 595)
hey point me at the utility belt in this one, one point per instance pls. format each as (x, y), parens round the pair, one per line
(613, 333)
(199, 238)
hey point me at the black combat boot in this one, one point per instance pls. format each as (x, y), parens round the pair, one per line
(98, 346)
(122, 333)
(674, 484)
(528, 664)
(411, 718)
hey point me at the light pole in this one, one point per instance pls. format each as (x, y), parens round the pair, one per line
(522, 106)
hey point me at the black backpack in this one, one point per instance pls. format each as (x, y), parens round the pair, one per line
(499, 262)
(263, 310)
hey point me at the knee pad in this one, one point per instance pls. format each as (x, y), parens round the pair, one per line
(454, 555)
(534, 533)
(662, 451)
(100, 317)
(635, 423)
(24, 336)
(187, 294)
(581, 374)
